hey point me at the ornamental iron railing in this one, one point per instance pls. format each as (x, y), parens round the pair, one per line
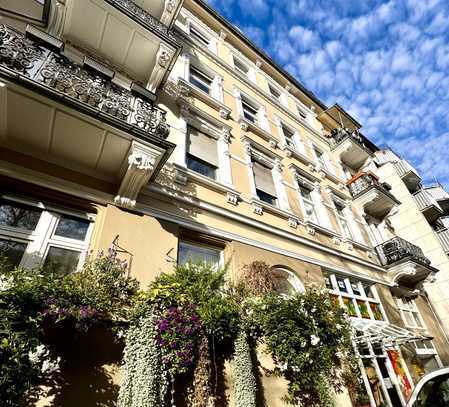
(340, 134)
(142, 17)
(397, 249)
(48, 72)
(366, 181)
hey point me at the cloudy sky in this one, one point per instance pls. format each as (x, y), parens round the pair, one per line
(386, 62)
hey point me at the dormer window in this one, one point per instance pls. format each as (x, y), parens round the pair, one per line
(199, 36)
(200, 79)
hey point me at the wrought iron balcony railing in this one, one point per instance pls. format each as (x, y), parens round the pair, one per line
(341, 134)
(142, 17)
(397, 249)
(52, 74)
(365, 181)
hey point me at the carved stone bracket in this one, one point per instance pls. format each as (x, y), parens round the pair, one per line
(293, 222)
(170, 7)
(142, 161)
(257, 209)
(311, 230)
(232, 198)
(163, 58)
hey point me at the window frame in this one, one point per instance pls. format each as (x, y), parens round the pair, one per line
(200, 72)
(253, 106)
(306, 202)
(342, 219)
(411, 309)
(201, 243)
(241, 62)
(43, 237)
(270, 166)
(349, 297)
(199, 35)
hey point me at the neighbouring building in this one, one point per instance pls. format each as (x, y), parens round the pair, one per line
(157, 125)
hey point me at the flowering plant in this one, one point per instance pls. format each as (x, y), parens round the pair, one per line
(177, 329)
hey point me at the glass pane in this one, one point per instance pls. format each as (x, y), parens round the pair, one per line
(283, 286)
(201, 167)
(18, 215)
(73, 228)
(350, 307)
(263, 196)
(417, 320)
(376, 311)
(363, 308)
(341, 285)
(13, 251)
(355, 288)
(191, 253)
(61, 260)
(409, 320)
(368, 291)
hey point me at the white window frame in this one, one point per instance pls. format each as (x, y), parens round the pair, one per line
(292, 279)
(282, 98)
(192, 116)
(409, 306)
(262, 120)
(250, 74)
(352, 297)
(202, 32)
(342, 218)
(193, 242)
(43, 236)
(304, 204)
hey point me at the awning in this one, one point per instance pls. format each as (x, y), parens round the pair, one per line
(381, 332)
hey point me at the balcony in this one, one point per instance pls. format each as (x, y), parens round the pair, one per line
(350, 147)
(428, 205)
(405, 261)
(443, 236)
(76, 116)
(135, 39)
(441, 196)
(372, 195)
(408, 174)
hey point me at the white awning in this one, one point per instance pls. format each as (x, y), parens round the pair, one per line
(383, 333)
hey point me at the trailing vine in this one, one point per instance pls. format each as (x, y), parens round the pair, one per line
(245, 382)
(145, 381)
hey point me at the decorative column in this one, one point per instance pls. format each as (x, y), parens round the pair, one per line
(323, 217)
(249, 163)
(170, 7)
(57, 18)
(279, 185)
(163, 58)
(225, 159)
(142, 161)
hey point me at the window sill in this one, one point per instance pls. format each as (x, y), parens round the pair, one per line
(188, 89)
(293, 152)
(183, 175)
(260, 206)
(246, 125)
(330, 175)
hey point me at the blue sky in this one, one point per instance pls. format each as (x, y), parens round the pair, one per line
(386, 62)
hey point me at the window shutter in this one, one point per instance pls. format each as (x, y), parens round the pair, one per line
(202, 146)
(264, 178)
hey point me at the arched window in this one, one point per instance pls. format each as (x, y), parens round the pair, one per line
(287, 283)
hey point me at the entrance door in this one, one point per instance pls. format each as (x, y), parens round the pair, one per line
(392, 392)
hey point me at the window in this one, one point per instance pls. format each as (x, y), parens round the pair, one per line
(410, 313)
(196, 34)
(301, 111)
(200, 80)
(202, 153)
(309, 205)
(263, 179)
(342, 220)
(321, 158)
(31, 236)
(354, 296)
(193, 252)
(249, 111)
(286, 282)
(274, 92)
(240, 66)
(289, 136)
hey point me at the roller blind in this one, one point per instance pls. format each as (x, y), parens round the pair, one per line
(263, 178)
(202, 146)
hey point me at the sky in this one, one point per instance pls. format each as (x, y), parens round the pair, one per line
(385, 62)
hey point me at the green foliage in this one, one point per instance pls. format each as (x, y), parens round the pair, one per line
(310, 341)
(33, 299)
(200, 284)
(245, 385)
(145, 381)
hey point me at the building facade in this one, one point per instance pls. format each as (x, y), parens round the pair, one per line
(158, 126)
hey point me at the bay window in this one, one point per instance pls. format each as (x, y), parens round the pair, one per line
(32, 235)
(202, 153)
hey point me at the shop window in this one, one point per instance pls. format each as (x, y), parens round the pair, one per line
(194, 252)
(32, 235)
(202, 153)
